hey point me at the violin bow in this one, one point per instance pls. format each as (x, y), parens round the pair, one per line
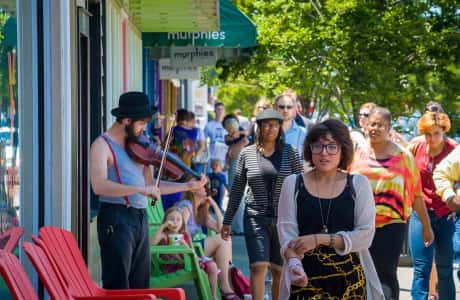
(172, 119)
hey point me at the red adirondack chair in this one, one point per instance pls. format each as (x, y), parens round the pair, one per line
(10, 238)
(54, 282)
(15, 277)
(60, 246)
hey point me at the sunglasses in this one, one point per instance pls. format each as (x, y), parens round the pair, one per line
(285, 106)
(365, 115)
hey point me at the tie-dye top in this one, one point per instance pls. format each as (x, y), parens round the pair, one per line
(395, 182)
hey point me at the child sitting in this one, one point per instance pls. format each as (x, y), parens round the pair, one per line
(173, 232)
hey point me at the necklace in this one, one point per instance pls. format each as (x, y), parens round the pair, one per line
(323, 222)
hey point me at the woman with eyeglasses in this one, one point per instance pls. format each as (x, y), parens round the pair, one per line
(262, 167)
(326, 223)
(428, 153)
(397, 189)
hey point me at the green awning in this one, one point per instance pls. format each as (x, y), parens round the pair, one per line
(174, 15)
(236, 31)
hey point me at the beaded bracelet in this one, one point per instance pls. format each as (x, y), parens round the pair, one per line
(331, 239)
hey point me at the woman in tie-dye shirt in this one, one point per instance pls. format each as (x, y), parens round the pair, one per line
(396, 185)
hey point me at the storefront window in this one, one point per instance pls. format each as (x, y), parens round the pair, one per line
(9, 152)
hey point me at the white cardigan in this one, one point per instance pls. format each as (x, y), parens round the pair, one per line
(357, 240)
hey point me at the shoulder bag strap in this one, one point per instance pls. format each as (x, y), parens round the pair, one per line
(115, 165)
(350, 184)
(298, 182)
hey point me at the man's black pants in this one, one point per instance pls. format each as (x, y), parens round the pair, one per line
(123, 235)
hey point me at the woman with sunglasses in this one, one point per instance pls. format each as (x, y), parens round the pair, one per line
(428, 152)
(262, 167)
(326, 223)
(397, 189)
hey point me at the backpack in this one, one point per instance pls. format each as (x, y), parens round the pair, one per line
(239, 282)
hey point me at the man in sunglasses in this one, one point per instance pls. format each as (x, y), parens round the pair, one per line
(300, 117)
(293, 133)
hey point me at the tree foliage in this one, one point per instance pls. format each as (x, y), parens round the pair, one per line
(399, 54)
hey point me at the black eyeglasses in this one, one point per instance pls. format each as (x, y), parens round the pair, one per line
(331, 149)
(366, 115)
(285, 106)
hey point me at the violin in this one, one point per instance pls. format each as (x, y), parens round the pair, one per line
(145, 151)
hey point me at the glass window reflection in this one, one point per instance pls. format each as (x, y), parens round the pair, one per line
(9, 160)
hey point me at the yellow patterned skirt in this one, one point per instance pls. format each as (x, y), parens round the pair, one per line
(331, 276)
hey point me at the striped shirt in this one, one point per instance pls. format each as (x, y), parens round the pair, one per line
(248, 173)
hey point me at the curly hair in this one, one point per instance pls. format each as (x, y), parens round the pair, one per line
(339, 133)
(430, 119)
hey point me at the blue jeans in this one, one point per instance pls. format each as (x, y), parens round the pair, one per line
(456, 241)
(422, 256)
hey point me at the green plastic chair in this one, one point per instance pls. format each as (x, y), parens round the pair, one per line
(191, 270)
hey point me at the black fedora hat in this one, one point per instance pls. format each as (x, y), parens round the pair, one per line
(269, 114)
(133, 105)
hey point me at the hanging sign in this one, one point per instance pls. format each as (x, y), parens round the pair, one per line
(166, 71)
(193, 56)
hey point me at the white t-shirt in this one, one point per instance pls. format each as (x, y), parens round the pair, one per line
(216, 133)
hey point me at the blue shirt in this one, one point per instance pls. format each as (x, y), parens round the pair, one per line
(218, 181)
(295, 136)
(216, 133)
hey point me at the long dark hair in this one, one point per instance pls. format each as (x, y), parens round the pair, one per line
(259, 141)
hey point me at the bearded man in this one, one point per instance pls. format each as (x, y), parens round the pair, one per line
(123, 187)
